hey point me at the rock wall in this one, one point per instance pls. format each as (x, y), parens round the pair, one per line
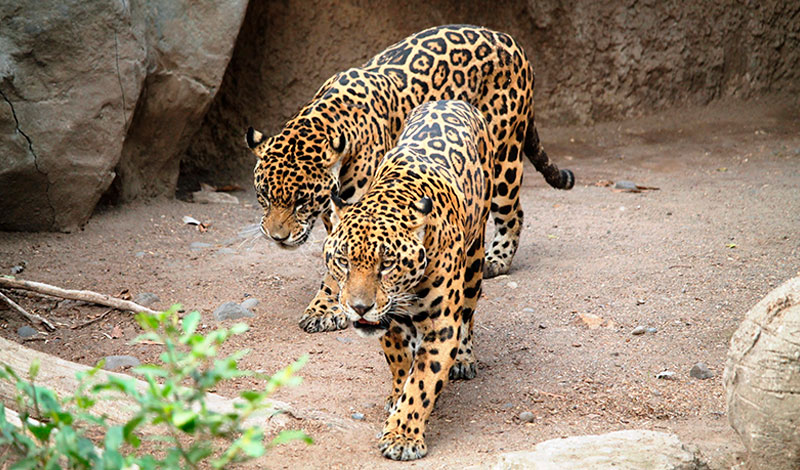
(594, 60)
(91, 90)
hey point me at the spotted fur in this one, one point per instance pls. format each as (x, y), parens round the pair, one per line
(408, 261)
(338, 139)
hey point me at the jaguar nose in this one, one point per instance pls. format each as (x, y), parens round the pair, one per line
(362, 309)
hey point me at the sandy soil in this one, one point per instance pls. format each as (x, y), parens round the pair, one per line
(688, 259)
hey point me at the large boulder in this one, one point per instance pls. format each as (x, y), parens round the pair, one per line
(88, 85)
(762, 380)
(621, 450)
(64, 68)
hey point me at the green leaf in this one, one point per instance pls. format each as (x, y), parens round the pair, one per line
(33, 371)
(114, 437)
(184, 420)
(190, 322)
(291, 435)
(239, 328)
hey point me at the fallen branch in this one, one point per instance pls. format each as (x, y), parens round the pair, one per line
(83, 295)
(31, 317)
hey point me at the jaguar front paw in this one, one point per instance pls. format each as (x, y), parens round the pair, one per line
(397, 446)
(463, 370)
(315, 320)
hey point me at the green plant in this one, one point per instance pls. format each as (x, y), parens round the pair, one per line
(173, 399)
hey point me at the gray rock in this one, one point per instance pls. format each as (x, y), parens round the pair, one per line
(508, 406)
(526, 417)
(139, 254)
(529, 310)
(639, 330)
(700, 371)
(17, 269)
(652, 330)
(146, 299)
(197, 246)
(119, 362)
(249, 303)
(27, 331)
(621, 450)
(626, 185)
(357, 416)
(231, 311)
(344, 340)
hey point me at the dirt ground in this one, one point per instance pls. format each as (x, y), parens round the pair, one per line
(688, 259)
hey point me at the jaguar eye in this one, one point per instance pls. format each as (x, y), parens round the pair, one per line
(342, 262)
(387, 265)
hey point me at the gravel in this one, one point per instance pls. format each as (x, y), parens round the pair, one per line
(526, 417)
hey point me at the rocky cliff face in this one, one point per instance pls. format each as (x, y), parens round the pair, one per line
(594, 60)
(90, 90)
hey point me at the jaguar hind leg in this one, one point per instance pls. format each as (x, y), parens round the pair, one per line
(506, 210)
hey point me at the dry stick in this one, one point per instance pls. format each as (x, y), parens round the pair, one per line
(30, 316)
(83, 295)
(93, 320)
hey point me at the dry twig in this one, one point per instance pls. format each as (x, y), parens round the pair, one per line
(31, 317)
(83, 295)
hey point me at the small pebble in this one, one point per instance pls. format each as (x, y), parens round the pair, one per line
(652, 330)
(529, 310)
(17, 269)
(249, 303)
(526, 417)
(27, 331)
(666, 375)
(542, 326)
(357, 416)
(625, 184)
(640, 301)
(508, 406)
(342, 339)
(639, 330)
(139, 254)
(700, 371)
(512, 285)
(146, 299)
(231, 311)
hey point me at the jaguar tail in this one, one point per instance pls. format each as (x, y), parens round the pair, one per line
(559, 179)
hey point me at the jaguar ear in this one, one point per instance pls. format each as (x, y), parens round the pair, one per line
(424, 205)
(421, 209)
(339, 206)
(338, 144)
(253, 138)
